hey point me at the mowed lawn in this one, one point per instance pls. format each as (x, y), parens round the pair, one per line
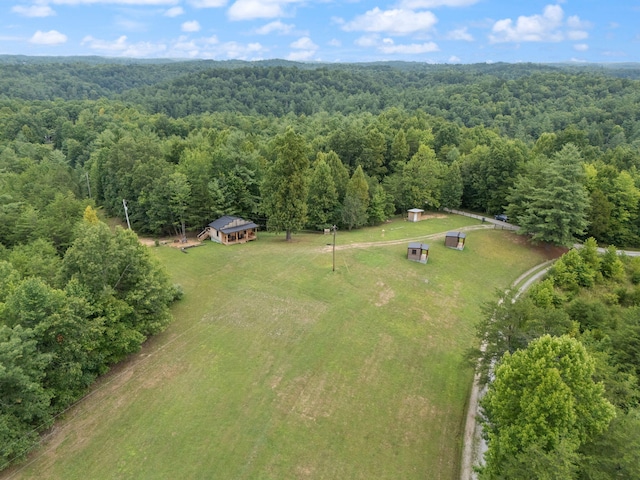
(276, 367)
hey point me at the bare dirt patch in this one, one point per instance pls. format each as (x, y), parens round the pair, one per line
(546, 250)
(170, 242)
(385, 294)
(308, 397)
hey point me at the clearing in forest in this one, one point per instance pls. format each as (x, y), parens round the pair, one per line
(277, 367)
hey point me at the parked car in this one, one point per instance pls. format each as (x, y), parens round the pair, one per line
(502, 217)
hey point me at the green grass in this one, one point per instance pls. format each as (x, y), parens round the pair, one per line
(276, 367)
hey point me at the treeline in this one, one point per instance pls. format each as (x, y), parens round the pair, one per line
(564, 396)
(195, 168)
(67, 315)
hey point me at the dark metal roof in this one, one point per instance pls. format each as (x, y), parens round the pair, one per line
(418, 245)
(222, 221)
(227, 219)
(457, 234)
(238, 228)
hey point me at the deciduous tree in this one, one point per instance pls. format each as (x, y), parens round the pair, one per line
(543, 397)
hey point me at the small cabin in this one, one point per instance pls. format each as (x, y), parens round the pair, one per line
(415, 215)
(229, 230)
(418, 252)
(455, 240)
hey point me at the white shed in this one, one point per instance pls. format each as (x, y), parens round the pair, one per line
(415, 215)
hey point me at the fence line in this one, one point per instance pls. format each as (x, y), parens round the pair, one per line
(496, 224)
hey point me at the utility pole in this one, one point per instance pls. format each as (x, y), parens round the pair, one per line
(126, 212)
(334, 228)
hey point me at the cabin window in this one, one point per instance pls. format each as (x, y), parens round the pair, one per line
(413, 252)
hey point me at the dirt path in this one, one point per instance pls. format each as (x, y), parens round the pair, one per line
(474, 446)
(432, 236)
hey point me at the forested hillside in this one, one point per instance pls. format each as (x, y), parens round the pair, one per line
(557, 148)
(565, 358)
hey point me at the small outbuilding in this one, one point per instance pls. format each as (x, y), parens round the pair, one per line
(415, 215)
(455, 240)
(229, 230)
(418, 252)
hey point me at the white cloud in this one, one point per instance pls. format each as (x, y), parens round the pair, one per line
(577, 35)
(304, 49)
(239, 51)
(575, 22)
(114, 2)
(453, 59)
(397, 21)
(192, 26)
(121, 47)
(252, 9)
(421, 4)
(174, 12)
(389, 47)
(131, 25)
(301, 55)
(52, 37)
(96, 44)
(304, 43)
(581, 47)
(207, 3)
(276, 26)
(205, 47)
(536, 28)
(212, 40)
(460, 34)
(368, 41)
(334, 42)
(34, 10)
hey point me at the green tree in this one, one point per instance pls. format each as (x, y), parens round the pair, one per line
(380, 206)
(422, 178)
(616, 452)
(552, 205)
(339, 172)
(179, 195)
(24, 403)
(452, 187)
(284, 191)
(373, 153)
(543, 397)
(356, 201)
(323, 197)
(399, 151)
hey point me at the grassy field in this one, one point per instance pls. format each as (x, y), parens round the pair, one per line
(276, 367)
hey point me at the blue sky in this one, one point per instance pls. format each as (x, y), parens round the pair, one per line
(434, 31)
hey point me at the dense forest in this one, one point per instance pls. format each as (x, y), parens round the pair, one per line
(564, 361)
(292, 147)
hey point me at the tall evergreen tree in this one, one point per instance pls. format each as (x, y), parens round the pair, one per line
(339, 172)
(323, 197)
(552, 204)
(356, 201)
(285, 187)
